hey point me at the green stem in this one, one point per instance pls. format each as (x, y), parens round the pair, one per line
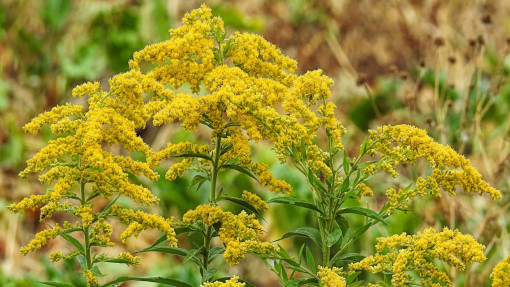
(212, 200)
(86, 230)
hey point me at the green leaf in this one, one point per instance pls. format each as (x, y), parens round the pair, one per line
(82, 261)
(194, 154)
(350, 257)
(346, 163)
(350, 277)
(215, 251)
(315, 182)
(363, 147)
(198, 180)
(226, 148)
(56, 284)
(301, 281)
(95, 270)
(243, 204)
(115, 260)
(165, 249)
(73, 241)
(302, 148)
(363, 211)
(343, 223)
(334, 236)
(309, 232)
(290, 200)
(309, 260)
(239, 169)
(181, 230)
(105, 211)
(161, 280)
(191, 254)
(361, 230)
(55, 12)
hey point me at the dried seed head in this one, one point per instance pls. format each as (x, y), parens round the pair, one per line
(439, 41)
(393, 69)
(471, 86)
(422, 63)
(430, 122)
(404, 75)
(452, 60)
(449, 104)
(472, 42)
(487, 19)
(508, 41)
(452, 86)
(362, 78)
(481, 40)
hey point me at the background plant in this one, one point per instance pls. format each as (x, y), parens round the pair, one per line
(386, 41)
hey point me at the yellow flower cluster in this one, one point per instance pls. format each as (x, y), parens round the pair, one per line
(365, 190)
(254, 200)
(129, 257)
(101, 233)
(177, 170)
(406, 144)
(331, 277)
(259, 94)
(267, 179)
(501, 273)
(91, 278)
(189, 49)
(86, 214)
(52, 117)
(416, 252)
(232, 282)
(139, 221)
(238, 232)
(41, 239)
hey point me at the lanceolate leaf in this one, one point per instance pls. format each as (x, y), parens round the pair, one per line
(363, 211)
(161, 280)
(194, 154)
(243, 204)
(56, 284)
(73, 241)
(309, 232)
(301, 281)
(239, 169)
(294, 201)
(334, 236)
(310, 261)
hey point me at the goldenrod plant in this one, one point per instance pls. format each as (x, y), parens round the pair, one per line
(242, 90)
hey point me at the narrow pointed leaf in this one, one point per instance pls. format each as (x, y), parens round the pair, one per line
(240, 169)
(309, 232)
(290, 200)
(73, 241)
(310, 261)
(363, 211)
(245, 205)
(161, 280)
(56, 284)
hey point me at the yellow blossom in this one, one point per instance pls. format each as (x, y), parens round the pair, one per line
(41, 239)
(501, 273)
(254, 200)
(139, 221)
(91, 278)
(232, 282)
(416, 254)
(331, 277)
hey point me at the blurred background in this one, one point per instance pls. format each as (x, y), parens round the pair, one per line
(389, 60)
